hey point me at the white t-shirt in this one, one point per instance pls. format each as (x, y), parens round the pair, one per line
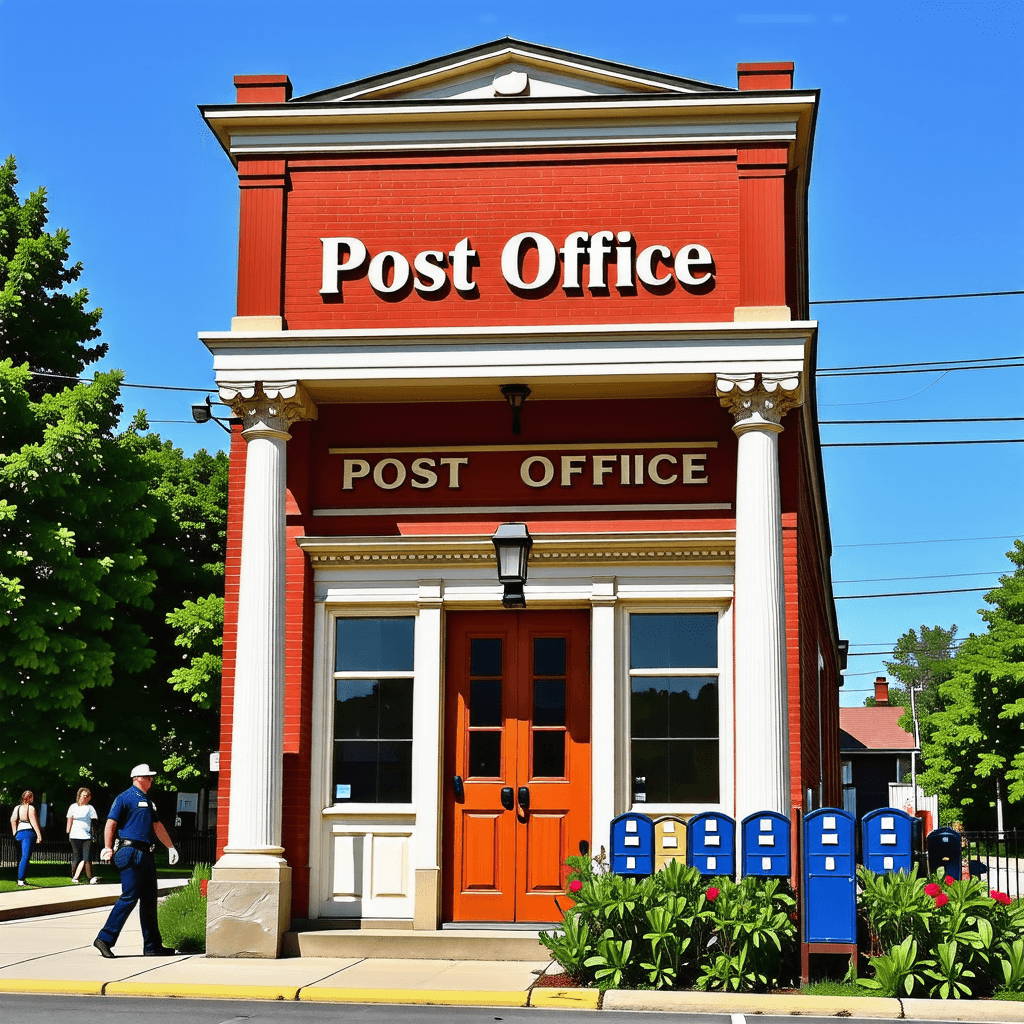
(81, 817)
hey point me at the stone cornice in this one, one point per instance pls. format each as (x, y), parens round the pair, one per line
(717, 548)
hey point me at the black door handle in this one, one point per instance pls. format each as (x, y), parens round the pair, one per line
(506, 798)
(457, 787)
(524, 797)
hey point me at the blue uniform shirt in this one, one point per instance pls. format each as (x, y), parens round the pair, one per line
(135, 814)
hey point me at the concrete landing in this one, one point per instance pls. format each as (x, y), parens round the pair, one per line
(406, 944)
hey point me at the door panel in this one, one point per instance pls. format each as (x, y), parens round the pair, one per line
(517, 714)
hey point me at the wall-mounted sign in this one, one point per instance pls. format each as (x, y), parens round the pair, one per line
(530, 262)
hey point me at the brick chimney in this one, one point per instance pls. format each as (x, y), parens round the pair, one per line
(881, 692)
(777, 75)
(262, 88)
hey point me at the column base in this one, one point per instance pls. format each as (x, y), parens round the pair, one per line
(426, 916)
(249, 906)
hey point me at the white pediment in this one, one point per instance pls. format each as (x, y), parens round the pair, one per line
(510, 69)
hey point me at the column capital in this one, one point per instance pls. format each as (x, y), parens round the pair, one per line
(268, 408)
(759, 401)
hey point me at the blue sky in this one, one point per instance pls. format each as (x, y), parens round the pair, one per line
(916, 189)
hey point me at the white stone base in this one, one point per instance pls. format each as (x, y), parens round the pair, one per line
(248, 911)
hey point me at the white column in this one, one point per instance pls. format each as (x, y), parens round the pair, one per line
(603, 711)
(250, 895)
(762, 725)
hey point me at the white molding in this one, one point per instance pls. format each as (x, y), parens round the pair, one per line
(504, 511)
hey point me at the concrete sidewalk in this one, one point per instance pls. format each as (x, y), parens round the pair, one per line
(53, 954)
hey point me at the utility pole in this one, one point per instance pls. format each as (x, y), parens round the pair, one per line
(917, 744)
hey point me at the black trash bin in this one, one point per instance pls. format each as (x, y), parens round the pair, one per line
(944, 851)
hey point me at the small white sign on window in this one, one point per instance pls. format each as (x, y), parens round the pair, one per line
(830, 840)
(712, 840)
(630, 862)
(342, 792)
(830, 863)
(829, 822)
(670, 843)
(889, 823)
(630, 826)
(712, 863)
(887, 863)
(766, 863)
(766, 840)
(632, 840)
(670, 826)
(887, 840)
(766, 825)
(710, 825)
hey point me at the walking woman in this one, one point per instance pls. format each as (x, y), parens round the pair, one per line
(25, 828)
(81, 815)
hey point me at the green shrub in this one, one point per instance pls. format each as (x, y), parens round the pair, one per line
(674, 929)
(182, 915)
(958, 939)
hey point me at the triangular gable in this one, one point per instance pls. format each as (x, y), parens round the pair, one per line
(511, 68)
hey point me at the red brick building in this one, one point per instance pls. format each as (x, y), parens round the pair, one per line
(631, 247)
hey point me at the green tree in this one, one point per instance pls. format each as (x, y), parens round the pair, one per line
(923, 661)
(40, 323)
(973, 743)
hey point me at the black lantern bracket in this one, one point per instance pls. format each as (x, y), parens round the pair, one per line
(515, 395)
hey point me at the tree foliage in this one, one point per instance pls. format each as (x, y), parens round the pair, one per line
(975, 739)
(924, 661)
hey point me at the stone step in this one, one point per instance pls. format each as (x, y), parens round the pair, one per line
(405, 944)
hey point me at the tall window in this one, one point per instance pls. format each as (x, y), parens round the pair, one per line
(674, 708)
(373, 661)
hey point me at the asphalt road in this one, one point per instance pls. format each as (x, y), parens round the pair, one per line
(33, 1009)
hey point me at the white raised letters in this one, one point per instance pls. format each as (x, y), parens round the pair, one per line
(511, 256)
(333, 265)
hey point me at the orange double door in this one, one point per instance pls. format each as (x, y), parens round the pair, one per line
(517, 762)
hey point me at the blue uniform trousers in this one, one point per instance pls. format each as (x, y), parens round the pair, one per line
(138, 885)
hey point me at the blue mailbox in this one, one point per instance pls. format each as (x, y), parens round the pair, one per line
(887, 835)
(632, 845)
(711, 845)
(830, 896)
(766, 844)
(944, 851)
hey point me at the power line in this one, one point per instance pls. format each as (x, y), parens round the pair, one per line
(943, 540)
(917, 444)
(125, 384)
(937, 576)
(935, 363)
(827, 374)
(913, 298)
(912, 593)
(941, 419)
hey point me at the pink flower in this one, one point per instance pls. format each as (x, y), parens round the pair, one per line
(941, 900)
(1000, 897)
(711, 894)
(575, 885)
(931, 889)
(949, 880)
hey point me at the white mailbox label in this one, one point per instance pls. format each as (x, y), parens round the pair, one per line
(670, 843)
(829, 822)
(632, 840)
(888, 840)
(766, 824)
(889, 823)
(887, 863)
(830, 863)
(712, 840)
(766, 840)
(766, 863)
(712, 863)
(630, 862)
(830, 840)
(710, 825)
(630, 826)
(670, 826)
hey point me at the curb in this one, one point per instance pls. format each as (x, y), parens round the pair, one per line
(82, 900)
(184, 990)
(413, 996)
(52, 987)
(772, 1005)
(566, 998)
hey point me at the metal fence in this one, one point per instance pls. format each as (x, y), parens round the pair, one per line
(998, 857)
(194, 848)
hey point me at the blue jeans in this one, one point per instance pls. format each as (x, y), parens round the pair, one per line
(138, 885)
(27, 839)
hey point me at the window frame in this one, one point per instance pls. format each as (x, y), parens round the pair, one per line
(721, 671)
(333, 804)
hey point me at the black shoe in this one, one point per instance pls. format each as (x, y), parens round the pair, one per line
(159, 951)
(104, 949)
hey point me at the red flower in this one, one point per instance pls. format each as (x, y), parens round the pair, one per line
(203, 883)
(949, 880)
(941, 900)
(931, 889)
(575, 885)
(1000, 897)
(711, 894)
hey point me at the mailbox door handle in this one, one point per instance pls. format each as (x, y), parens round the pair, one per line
(457, 787)
(507, 800)
(524, 797)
